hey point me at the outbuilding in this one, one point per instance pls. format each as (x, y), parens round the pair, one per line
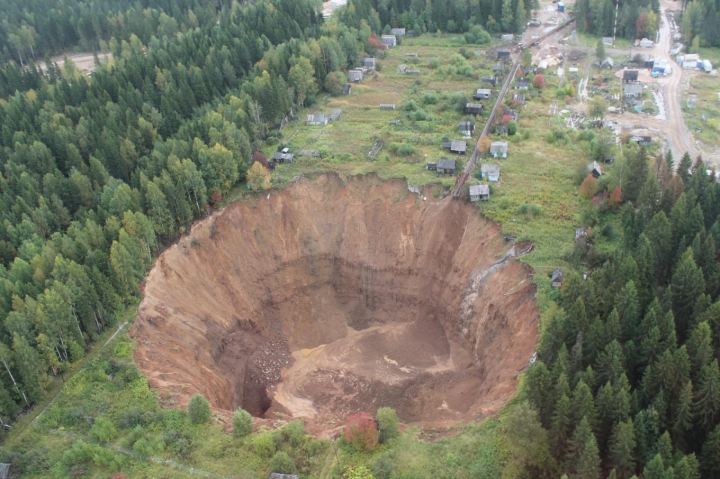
(445, 166)
(503, 55)
(499, 149)
(595, 169)
(479, 192)
(557, 278)
(400, 32)
(581, 232)
(347, 89)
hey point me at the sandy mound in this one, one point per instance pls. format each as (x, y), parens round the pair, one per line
(330, 298)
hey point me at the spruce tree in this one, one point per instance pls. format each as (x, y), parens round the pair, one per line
(560, 427)
(710, 455)
(654, 469)
(687, 285)
(707, 397)
(684, 167)
(622, 450)
(198, 409)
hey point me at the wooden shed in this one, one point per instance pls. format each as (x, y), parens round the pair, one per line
(445, 166)
(479, 192)
(499, 149)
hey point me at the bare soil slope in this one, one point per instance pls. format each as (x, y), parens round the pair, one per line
(329, 298)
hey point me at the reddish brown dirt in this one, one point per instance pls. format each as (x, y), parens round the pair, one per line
(330, 298)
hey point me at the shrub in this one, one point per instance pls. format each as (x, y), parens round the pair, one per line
(383, 467)
(198, 409)
(388, 423)
(242, 423)
(103, 430)
(429, 98)
(294, 433)
(132, 417)
(406, 150)
(361, 432)
(589, 187)
(282, 463)
(530, 210)
(357, 472)
(264, 445)
(539, 81)
(512, 128)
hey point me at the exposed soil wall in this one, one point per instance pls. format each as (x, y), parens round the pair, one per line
(330, 297)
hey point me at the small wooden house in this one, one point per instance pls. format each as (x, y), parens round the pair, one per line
(518, 97)
(355, 75)
(490, 171)
(595, 169)
(474, 108)
(479, 192)
(630, 76)
(557, 278)
(503, 55)
(277, 475)
(282, 157)
(399, 32)
(490, 79)
(445, 166)
(498, 67)
(368, 63)
(458, 147)
(501, 130)
(317, 119)
(389, 40)
(499, 149)
(346, 89)
(482, 94)
(522, 84)
(633, 91)
(466, 127)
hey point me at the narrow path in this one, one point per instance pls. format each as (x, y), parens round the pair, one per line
(85, 360)
(330, 462)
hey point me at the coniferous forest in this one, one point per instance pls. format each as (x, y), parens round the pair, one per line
(98, 175)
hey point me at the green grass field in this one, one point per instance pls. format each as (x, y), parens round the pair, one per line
(704, 119)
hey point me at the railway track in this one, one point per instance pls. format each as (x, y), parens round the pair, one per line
(462, 177)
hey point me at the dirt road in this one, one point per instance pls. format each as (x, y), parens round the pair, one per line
(679, 137)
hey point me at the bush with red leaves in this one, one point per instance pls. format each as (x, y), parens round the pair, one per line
(361, 431)
(260, 158)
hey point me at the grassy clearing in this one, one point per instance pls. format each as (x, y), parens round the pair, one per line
(704, 119)
(535, 200)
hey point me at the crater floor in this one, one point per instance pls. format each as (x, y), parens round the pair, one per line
(332, 297)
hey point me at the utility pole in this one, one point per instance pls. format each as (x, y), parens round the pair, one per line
(617, 7)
